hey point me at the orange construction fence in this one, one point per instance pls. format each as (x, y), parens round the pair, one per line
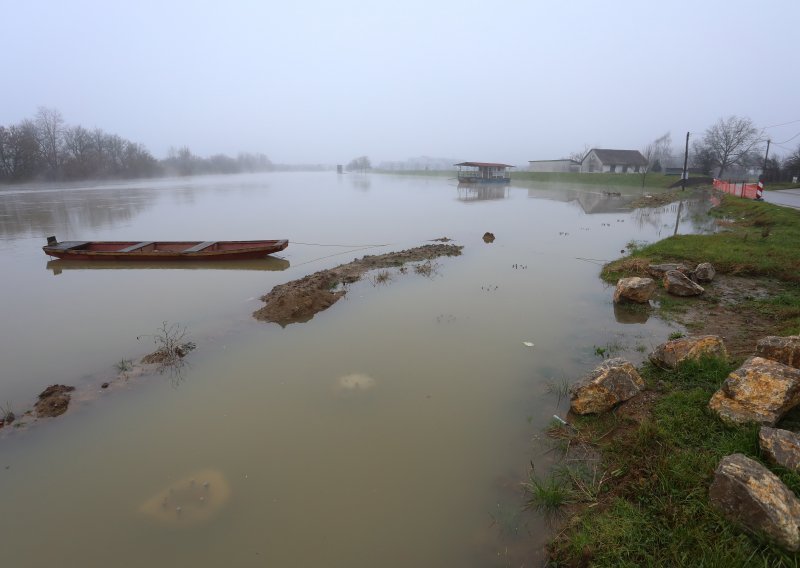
(739, 188)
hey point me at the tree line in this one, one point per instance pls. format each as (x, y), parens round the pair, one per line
(46, 148)
(732, 145)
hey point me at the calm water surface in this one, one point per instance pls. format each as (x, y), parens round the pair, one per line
(421, 468)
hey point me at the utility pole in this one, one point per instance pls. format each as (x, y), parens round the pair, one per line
(685, 172)
(764, 169)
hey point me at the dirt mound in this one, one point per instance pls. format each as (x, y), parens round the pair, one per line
(299, 300)
(53, 401)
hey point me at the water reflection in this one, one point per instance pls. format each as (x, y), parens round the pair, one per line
(590, 201)
(268, 263)
(39, 212)
(481, 192)
(632, 313)
(360, 182)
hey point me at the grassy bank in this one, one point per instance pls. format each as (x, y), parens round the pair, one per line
(645, 502)
(758, 239)
(656, 511)
(652, 180)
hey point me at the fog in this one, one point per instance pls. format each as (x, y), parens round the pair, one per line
(323, 82)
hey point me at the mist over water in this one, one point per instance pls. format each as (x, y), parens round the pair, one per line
(392, 429)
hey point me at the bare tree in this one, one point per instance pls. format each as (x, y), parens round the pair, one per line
(580, 154)
(360, 164)
(730, 140)
(50, 130)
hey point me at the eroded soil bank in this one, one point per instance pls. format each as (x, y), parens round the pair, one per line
(299, 300)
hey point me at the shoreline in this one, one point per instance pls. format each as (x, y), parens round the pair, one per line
(646, 500)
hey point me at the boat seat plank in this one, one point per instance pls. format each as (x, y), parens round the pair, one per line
(66, 245)
(136, 246)
(200, 246)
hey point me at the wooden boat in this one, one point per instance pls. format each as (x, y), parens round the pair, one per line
(161, 250)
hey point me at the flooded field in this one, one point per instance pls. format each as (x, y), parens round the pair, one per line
(392, 429)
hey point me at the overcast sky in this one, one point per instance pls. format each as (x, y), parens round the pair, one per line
(325, 81)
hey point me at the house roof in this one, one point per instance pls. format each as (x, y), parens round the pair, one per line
(622, 157)
(484, 165)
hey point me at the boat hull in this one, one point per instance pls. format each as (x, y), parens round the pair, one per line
(164, 251)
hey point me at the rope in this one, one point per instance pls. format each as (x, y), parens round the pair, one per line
(352, 248)
(325, 245)
(338, 253)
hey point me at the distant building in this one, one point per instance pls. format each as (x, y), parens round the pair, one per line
(613, 161)
(483, 172)
(554, 166)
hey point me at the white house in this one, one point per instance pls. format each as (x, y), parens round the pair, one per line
(613, 161)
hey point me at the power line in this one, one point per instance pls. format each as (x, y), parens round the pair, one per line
(789, 140)
(782, 124)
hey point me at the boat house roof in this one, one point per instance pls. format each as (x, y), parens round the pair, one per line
(484, 165)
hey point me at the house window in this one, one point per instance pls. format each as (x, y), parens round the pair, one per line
(612, 168)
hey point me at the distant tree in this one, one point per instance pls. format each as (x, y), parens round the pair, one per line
(791, 164)
(360, 164)
(662, 149)
(80, 155)
(702, 158)
(580, 154)
(49, 133)
(773, 170)
(253, 163)
(21, 153)
(730, 140)
(656, 166)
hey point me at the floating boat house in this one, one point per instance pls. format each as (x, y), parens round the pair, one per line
(483, 172)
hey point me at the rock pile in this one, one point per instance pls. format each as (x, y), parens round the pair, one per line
(762, 390)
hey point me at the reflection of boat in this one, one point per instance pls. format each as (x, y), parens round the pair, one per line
(266, 263)
(483, 172)
(481, 192)
(161, 250)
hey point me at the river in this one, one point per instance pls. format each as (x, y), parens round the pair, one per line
(418, 466)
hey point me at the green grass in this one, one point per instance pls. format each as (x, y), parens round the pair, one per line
(548, 495)
(652, 180)
(760, 240)
(658, 514)
(782, 308)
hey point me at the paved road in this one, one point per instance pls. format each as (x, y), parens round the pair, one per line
(787, 197)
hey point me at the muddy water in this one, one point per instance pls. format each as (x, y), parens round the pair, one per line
(392, 429)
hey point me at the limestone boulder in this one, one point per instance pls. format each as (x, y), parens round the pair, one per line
(780, 447)
(747, 493)
(634, 289)
(612, 382)
(676, 351)
(759, 391)
(704, 272)
(678, 284)
(785, 350)
(659, 270)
